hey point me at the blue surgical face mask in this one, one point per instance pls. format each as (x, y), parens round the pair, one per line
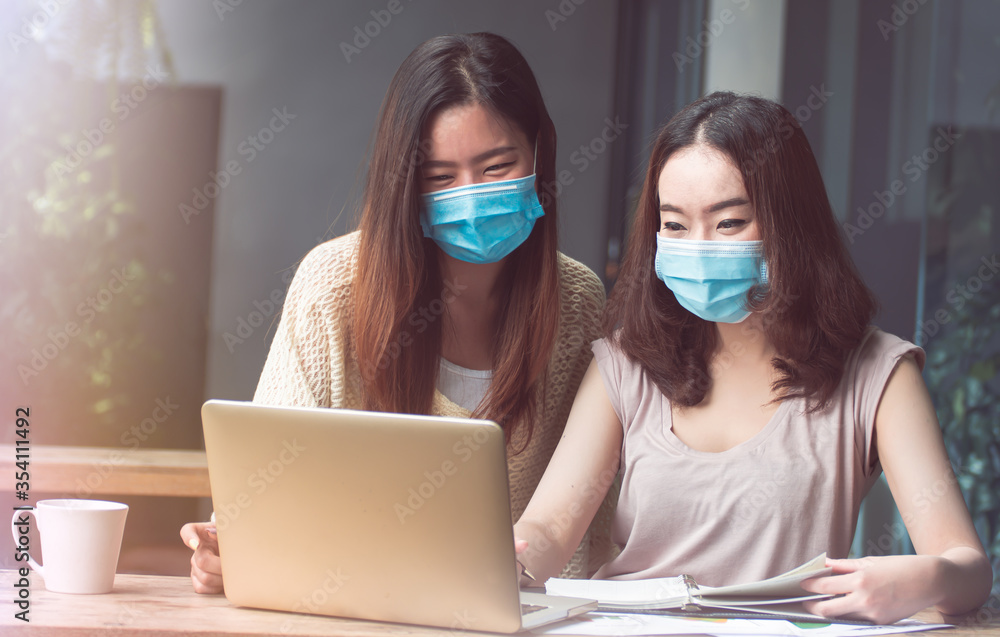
(481, 223)
(711, 279)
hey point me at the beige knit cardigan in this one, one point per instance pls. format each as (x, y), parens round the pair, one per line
(311, 363)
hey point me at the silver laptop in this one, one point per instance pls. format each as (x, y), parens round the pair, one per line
(369, 515)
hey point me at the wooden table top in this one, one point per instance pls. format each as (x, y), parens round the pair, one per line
(161, 605)
(93, 471)
(156, 605)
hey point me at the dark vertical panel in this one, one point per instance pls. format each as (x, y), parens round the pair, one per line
(687, 23)
(628, 54)
(887, 253)
(806, 36)
(651, 85)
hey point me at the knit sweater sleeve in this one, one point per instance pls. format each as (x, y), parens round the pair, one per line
(305, 365)
(585, 302)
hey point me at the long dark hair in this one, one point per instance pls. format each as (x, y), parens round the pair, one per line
(816, 308)
(397, 269)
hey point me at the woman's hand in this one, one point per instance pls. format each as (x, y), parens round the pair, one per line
(206, 567)
(878, 589)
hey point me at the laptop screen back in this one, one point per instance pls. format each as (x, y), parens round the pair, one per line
(359, 514)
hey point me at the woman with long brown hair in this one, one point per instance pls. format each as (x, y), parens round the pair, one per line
(451, 298)
(744, 395)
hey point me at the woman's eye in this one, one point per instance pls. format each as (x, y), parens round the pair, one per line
(728, 224)
(673, 226)
(495, 167)
(437, 177)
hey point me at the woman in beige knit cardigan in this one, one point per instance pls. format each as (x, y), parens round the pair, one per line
(451, 298)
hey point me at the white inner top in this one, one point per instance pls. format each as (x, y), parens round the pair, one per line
(464, 387)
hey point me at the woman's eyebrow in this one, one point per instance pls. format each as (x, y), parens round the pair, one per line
(500, 150)
(728, 203)
(722, 205)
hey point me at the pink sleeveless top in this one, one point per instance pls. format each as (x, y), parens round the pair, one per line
(760, 508)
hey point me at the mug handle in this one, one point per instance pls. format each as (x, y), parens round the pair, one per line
(14, 532)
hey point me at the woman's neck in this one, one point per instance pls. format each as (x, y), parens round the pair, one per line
(743, 344)
(473, 284)
(467, 328)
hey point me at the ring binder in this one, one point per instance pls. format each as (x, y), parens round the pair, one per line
(691, 604)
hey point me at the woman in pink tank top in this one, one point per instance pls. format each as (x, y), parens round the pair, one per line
(743, 396)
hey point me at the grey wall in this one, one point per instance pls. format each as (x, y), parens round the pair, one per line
(298, 189)
(751, 33)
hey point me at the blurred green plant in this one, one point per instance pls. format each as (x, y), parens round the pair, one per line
(69, 332)
(962, 373)
(65, 237)
(963, 360)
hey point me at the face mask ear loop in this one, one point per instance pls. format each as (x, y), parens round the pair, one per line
(534, 161)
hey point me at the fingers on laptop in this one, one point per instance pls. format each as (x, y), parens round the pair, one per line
(206, 567)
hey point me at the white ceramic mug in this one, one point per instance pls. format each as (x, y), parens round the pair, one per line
(80, 541)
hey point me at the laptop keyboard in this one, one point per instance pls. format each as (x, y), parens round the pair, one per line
(530, 608)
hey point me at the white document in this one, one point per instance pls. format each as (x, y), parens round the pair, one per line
(635, 625)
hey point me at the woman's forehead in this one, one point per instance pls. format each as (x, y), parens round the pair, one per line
(698, 173)
(469, 129)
